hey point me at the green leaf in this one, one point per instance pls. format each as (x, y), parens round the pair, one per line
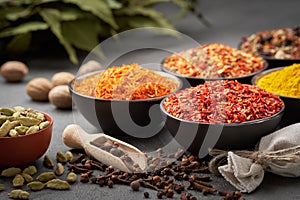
(98, 7)
(83, 34)
(16, 14)
(151, 17)
(141, 21)
(52, 17)
(70, 14)
(151, 2)
(23, 28)
(113, 4)
(20, 43)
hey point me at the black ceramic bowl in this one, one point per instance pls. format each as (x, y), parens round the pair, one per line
(194, 81)
(273, 62)
(292, 104)
(138, 118)
(198, 137)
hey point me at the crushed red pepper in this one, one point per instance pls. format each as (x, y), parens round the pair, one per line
(213, 61)
(281, 43)
(223, 101)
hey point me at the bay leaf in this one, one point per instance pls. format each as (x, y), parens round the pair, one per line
(113, 4)
(83, 34)
(24, 28)
(20, 43)
(98, 7)
(16, 14)
(52, 17)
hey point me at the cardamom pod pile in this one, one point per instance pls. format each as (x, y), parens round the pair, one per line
(20, 121)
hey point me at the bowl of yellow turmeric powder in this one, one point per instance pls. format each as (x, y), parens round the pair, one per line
(284, 82)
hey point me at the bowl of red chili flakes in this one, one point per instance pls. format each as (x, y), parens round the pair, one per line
(124, 100)
(279, 47)
(213, 62)
(222, 114)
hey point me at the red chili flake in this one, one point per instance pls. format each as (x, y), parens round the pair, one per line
(213, 61)
(223, 101)
(281, 43)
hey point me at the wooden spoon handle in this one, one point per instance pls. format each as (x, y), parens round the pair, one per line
(73, 136)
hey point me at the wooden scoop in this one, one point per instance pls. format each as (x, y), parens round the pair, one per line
(75, 137)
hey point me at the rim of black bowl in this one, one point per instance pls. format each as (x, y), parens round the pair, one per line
(115, 100)
(223, 124)
(214, 79)
(260, 75)
(32, 134)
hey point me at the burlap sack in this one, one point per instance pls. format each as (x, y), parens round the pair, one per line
(278, 153)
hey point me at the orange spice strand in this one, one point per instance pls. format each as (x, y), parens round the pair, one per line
(132, 82)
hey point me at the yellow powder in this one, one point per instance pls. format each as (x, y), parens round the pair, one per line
(285, 82)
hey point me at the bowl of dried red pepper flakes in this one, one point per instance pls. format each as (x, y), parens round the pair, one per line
(224, 113)
(213, 62)
(123, 99)
(284, 82)
(279, 47)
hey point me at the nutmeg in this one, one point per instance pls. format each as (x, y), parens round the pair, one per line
(14, 71)
(60, 97)
(90, 66)
(38, 89)
(61, 78)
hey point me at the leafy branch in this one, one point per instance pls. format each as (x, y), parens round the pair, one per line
(79, 24)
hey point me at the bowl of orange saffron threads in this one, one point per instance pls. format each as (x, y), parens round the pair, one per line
(222, 114)
(124, 100)
(213, 62)
(285, 83)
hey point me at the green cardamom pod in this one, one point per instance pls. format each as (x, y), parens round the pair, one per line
(13, 133)
(27, 177)
(48, 162)
(44, 124)
(18, 194)
(19, 109)
(46, 176)
(32, 129)
(7, 111)
(7, 126)
(61, 157)
(28, 121)
(72, 177)
(21, 129)
(18, 181)
(69, 155)
(31, 170)
(36, 185)
(11, 172)
(58, 184)
(59, 170)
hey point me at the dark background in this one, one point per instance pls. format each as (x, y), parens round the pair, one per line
(230, 20)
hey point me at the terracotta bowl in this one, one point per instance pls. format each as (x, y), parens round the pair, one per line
(292, 104)
(22, 150)
(197, 137)
(138, 118)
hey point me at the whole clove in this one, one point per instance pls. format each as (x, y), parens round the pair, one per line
(77, 159)
(146, 195)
